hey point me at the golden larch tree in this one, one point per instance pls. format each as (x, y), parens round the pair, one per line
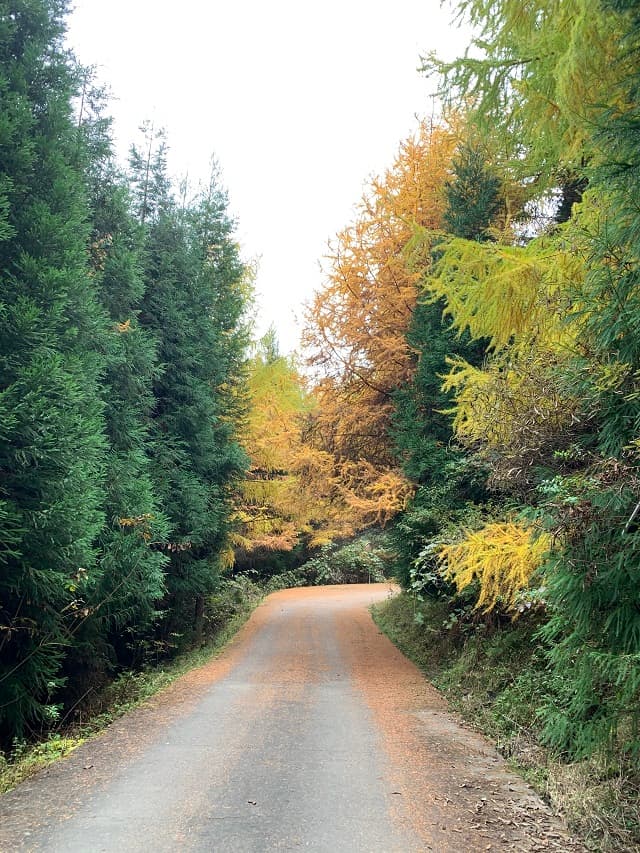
(356, 324)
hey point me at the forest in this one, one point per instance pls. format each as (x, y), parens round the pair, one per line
(465, 416)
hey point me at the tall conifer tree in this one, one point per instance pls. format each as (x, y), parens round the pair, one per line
(131, 580)
(192, 307)
(51, 332)
(422, 429)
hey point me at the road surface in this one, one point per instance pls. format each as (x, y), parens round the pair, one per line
(310, 732)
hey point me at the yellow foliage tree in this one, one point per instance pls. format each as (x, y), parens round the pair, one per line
(513, 295)
(518, 408)
(356, 324)
(288, 492)
(502, 557)
(515, 415)
(538, 74)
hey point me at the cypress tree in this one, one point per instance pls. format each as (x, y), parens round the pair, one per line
(51, 334)
(473, 196)
(131, 578)
(422, 428)
(192, 307)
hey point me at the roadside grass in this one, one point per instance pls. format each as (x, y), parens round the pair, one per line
(226, 611)
(126, 692)
(496, 678)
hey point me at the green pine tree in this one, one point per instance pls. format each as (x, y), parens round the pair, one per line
(193, 306)
(421, 428)
(131, 579)
(52, 446)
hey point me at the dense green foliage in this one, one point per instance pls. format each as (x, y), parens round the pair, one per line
(422, 428)
(52, 336)
(121, 350)
(539, 269)
(131, 582)
(192, 308)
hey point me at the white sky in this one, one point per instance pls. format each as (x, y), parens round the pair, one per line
(300, 102)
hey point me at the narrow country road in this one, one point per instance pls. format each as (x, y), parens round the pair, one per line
(310, 732)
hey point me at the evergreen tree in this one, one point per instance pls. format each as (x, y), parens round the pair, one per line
(51, 338)
(131, 580)
(150, 184)
(193, 305)
(422, 429)
(594, 585)
(473, 196)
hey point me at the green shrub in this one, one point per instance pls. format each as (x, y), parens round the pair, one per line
(364, 560)
(235, 595)
(287, 580)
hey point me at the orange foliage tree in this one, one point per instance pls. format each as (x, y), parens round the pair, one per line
(356, 324)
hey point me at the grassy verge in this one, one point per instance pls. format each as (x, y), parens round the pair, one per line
(123, 694)
(225, 612)
(496, 680)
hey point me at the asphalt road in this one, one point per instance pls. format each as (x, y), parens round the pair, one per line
(310, 732)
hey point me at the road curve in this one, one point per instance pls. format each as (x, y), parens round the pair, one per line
(310, 732)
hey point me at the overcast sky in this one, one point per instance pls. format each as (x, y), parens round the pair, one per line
(299, 101)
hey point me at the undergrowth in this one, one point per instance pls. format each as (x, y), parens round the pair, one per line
(225, 614)
(358, 561)
(494, 675)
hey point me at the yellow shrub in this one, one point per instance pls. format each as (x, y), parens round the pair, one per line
(501, 556)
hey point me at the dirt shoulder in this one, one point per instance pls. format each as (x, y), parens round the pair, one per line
(310, 731)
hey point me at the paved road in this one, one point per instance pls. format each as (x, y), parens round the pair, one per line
(311, 732)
